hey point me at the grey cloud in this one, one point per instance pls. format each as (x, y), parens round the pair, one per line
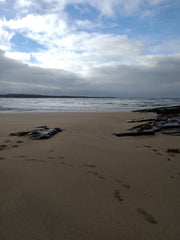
(157, 80)
(16, 76)
(158, 77)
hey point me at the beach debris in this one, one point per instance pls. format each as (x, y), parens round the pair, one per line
(166, 122)
(39, 133)
(173, 150)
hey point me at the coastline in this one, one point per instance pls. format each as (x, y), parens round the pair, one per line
(84, 182)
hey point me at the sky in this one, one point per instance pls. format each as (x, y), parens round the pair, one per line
(120, 48)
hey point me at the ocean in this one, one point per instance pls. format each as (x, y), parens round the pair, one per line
(82, 104)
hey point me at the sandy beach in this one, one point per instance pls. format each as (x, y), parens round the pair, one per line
(84, 183)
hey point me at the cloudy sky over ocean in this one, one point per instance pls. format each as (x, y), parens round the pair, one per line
(90, 47)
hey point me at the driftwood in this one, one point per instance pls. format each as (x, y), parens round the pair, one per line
(39, 133)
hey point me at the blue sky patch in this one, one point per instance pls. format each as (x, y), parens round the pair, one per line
(25, 44)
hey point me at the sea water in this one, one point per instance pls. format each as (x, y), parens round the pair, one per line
(82, 104)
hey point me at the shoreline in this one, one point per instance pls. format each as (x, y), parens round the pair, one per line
(86, 183)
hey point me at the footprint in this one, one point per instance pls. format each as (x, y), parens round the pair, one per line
(34, 160)
(3, 146)
(118, 181)
(148, 146)
(2, 158)
(66, 164)
(88, 165)
(125, 185)
(97, 174)
(101, 177)
(93, 173)
(118, 196)
(14, 146)
(147, 216)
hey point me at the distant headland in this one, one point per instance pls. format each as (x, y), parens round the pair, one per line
(17, 95)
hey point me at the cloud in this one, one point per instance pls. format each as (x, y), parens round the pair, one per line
(77, 56)
(106, 8)
(19, 77)
(70, 49)
(157, 76)
(67, 43)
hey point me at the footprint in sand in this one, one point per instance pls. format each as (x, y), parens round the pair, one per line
(118, 196)
(21, 156)
(96, 174)
(147, 216)
(148, 146)
(88, 165)
(66, 164)
(125, 185)
(3, 147)
(14, 146)
(176, 176)
(33, 160)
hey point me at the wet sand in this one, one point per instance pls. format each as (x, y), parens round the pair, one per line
(85, 183)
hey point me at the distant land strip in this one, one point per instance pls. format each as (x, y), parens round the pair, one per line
(15, 95)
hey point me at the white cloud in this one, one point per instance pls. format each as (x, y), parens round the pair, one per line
(159, 77)
(76, 52)
(24, 3)
(22, 56)
(5, 37)
(109, 7)
(37, 24)
(106, 7)
(70, 49)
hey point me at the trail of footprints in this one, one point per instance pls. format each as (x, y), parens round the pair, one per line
(170, 153)
(117, 194)
(8, 144)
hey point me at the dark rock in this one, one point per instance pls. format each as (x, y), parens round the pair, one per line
(141, 120)
(161, 110)
(168, 122)
(135, 133)
(42, 132)
(19, 134)
(171, 125)
(174, 131)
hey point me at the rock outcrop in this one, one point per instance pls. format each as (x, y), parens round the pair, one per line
(166, 122)
(39, 133)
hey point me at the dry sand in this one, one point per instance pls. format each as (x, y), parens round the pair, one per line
(85, 183)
